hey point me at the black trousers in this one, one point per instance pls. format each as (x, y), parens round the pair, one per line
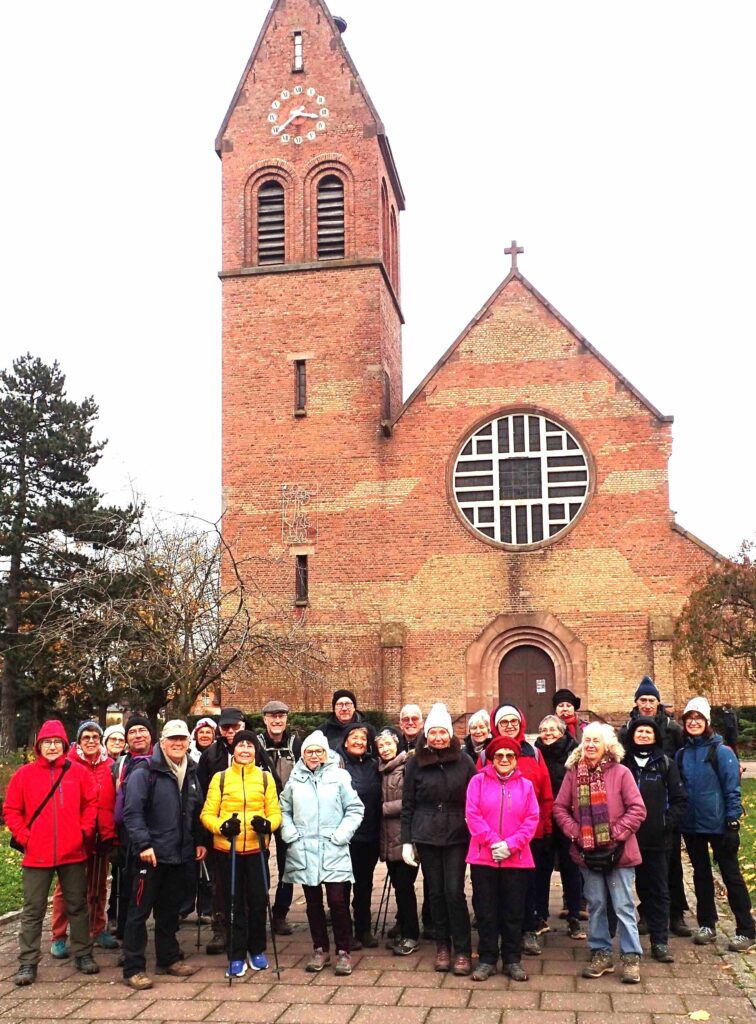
(531, 894)
(250, 903)
(444, 869)
(568, 871)
(703, 883)
(500, 895)
(161, 889)
(652, 887)
(284, 890)
(197, 891)
(403, 880)
(364, 858)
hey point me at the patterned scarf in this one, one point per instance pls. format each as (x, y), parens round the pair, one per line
(593, 807)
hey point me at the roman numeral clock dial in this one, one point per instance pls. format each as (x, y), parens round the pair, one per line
(298, 115)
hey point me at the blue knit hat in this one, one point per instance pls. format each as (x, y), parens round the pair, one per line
(647, 689)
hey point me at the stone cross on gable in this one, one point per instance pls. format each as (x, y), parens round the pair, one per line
(513, 250)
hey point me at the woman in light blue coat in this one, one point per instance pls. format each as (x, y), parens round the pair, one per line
(321, 812)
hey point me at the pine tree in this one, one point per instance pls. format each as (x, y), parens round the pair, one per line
(50, 514)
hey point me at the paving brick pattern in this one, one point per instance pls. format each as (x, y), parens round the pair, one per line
(390, 990)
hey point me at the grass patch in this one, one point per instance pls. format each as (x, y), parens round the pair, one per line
(747, 851)
(11, 883)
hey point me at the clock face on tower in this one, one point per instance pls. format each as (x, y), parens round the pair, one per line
(298, 115)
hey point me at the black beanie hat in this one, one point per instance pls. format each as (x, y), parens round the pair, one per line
(564, 696)
(643, 720)
(339, 694)
(244, 734)
(137, 719)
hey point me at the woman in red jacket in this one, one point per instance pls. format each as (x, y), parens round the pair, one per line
(54, 840)
(89, 752)
(502, 815)
(507, 720)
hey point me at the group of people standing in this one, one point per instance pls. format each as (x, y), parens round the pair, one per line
(187, 821)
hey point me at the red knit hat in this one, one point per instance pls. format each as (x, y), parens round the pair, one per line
(502, 743)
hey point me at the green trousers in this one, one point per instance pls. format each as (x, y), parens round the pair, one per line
(37, 882)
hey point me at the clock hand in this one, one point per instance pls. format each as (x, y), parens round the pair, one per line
(304, 114)
(292, 116)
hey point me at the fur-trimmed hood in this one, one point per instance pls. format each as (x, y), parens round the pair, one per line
(426, 756)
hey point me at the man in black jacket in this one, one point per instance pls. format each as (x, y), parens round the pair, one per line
(282, 747)
(648, 704)
(162, 817)
(344, 713)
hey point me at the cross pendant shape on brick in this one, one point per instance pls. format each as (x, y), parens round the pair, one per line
(513, 250)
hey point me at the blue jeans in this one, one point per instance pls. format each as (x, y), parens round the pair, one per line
(599, 889)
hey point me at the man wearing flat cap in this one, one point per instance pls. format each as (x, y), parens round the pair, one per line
(282, 747)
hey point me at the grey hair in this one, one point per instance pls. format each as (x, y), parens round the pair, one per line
(479, 716)
(614, 748)
(411, 709)
(553, 718)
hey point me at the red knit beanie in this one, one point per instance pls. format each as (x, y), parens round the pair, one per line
(502, 743)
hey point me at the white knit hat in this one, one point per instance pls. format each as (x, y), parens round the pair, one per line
(701, 705)
(113, 730)
(316, 739)
(506, 709)
(439, 718)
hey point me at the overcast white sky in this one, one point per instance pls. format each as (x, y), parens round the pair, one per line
(613, 140)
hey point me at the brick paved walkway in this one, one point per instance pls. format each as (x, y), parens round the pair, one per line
(385, 989)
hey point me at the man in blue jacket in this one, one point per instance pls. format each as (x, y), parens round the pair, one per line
(161, 815)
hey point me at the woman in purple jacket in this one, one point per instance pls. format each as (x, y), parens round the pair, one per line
(502, 815)
(599, 809)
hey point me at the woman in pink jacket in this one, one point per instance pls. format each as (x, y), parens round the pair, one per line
(502, 815)
(599, 808)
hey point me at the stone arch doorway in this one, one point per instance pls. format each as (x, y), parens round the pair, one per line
(527, 679)
(506, 633)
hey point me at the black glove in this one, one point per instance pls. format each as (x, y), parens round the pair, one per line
(731, 837)
(230, 828)
(260, 824)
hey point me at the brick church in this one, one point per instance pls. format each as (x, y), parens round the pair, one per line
(503, 531)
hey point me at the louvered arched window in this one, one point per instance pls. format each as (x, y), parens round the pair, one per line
(330, 218)
(271, 223)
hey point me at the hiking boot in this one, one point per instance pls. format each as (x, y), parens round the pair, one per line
(236, 969)
(319, 959)
(704, 936)
(660, 951)
(25, 975)
(630, 968)
(483, 972)
(741, 944)
(541, 926)
(87, 964)
(530, 944)
(575, 929)
(106, 941)
(462, 965)
(343, 963)
(601, 963)
(139, 982)
(281, 926)
(217, 943)
(177, 970)
(404, 947)
(368, 940)
(678, 926)
(59, 949)
(516, 971)
(642, 925)
(443, 957)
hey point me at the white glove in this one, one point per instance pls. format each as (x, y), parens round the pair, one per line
(500, 851)
(408, 855)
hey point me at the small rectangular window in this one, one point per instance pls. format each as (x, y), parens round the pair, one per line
(302, 582)
(300, 387)
(298, 64)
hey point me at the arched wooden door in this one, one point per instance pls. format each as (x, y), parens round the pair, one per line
(527, 679)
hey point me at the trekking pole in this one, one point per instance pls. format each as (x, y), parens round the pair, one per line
(266, 886)
(233, 900)
(386, 884)
(200, 884)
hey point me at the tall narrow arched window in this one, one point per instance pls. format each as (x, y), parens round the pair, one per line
(330, 218)
(385, 251)
(271, 223)
(394, 255)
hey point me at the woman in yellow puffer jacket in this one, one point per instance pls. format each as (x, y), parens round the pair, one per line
(241, 802)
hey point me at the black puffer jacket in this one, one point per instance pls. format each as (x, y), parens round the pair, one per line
(663, 793)
(156, 815)
(433, 801)
(335, 731)
(555, 755)
(363, 771)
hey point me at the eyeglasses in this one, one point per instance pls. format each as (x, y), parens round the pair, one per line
(234, 727)
(54, 742)
(344, 704)
(411, 720)
(509, 721)
(505, 757)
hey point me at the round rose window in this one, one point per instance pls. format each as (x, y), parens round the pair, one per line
(520, 479)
